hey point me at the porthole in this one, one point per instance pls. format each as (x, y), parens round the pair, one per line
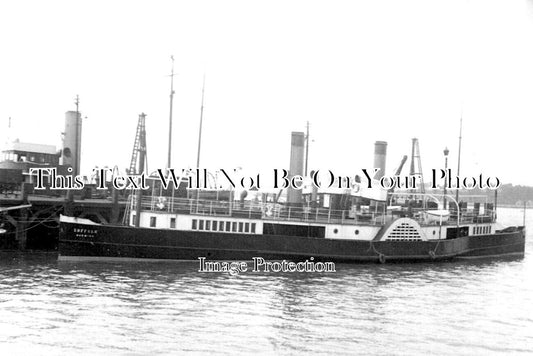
(335, 231)
(357, 232)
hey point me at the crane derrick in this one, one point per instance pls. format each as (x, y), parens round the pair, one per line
(138, 157)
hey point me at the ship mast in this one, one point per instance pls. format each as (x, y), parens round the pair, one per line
(170, 116)
(306, 149)
(459, 154)
(459, 168)
(200, 129)
(78, 138)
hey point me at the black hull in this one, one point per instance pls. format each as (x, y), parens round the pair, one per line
(112, 242)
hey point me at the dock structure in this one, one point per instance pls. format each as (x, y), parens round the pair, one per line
(30, 220)
(29, 217)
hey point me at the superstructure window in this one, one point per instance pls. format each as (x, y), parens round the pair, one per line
(208, 225)
(194, 224)
(241, 226)
(228, 226)
(152, 221)
(246, 227)
(221, 226)
(215, 224)
(201, 225)
(172, 223)
(234, 226)
(252, 228)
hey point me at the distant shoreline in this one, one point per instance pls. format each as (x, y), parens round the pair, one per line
(512, 206)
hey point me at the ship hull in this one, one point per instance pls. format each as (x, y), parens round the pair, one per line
(78, 241)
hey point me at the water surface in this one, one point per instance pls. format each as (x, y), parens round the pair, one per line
(478, 307)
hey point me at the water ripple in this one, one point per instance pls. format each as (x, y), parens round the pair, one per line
(465, 308)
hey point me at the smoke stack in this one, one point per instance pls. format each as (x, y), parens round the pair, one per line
(294, 196)
(72, 141)
(380, 158)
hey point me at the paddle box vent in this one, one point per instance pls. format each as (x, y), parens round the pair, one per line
(404, 232)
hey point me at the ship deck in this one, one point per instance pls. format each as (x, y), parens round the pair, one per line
(270, 211)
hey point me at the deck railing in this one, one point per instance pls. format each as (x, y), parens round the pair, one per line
(279, 212)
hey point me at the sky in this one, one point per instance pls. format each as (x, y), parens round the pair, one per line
(358, 71)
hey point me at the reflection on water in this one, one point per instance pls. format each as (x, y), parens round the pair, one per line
(140, 308)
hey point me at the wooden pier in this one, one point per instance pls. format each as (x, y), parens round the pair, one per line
(31, 221)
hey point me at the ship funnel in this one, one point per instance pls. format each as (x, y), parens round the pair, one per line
(380, 158)
(294, 196)
(72, 141)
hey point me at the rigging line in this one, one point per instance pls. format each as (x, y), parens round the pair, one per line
(436, 247)
(41, 221)
(27, 229)
(36, 220)
(200, 129)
